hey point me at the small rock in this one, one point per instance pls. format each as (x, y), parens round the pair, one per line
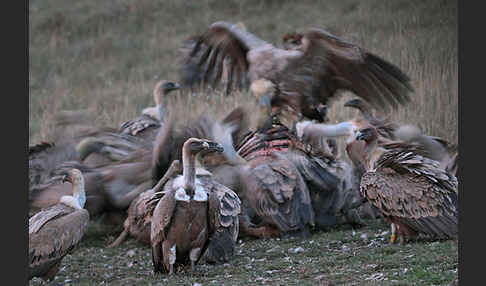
(364, 236)
(197, 284)
(131, 253)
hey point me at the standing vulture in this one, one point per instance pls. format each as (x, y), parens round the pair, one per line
(55, 231)
(191, 210)
(413, 193)
(310, 74)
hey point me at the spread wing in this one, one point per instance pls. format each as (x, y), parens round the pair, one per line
(275, 190)
(415, 190)
(52, 234)
(224, 208)
(161, 218)
(329, 64)
(205, 55)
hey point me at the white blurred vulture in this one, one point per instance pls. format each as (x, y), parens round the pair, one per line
(413, 193)
(303, 77)
(191, 209)
(55, 231)
(147, 124)
(437, 148)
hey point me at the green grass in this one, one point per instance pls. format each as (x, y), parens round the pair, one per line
(342, 256)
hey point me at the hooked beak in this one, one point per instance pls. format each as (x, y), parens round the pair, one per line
(65, 178)
(352, 103)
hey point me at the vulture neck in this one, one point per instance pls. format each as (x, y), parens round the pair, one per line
(161, 111)
(86, 147)
(78, 199)
(373, 152)
(189, 170)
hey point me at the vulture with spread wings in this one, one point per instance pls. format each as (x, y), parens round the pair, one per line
(304, 76)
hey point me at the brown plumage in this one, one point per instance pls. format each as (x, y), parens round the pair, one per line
(147, 124)
(55, 231)
(413, 193)
(190, 209)
(290, 184)
(139, 213)
(303, 77)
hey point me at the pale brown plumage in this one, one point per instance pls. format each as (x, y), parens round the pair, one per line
(191, 209)
(412, 192)
(436, 148)
(147, 124)
(55, 231)
(303, 77)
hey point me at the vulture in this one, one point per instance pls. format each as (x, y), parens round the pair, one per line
(55, 231)
(191, 210)
(414, 194)
(109, 186)
(436, 148)
(139, 213)
(304, 76)
(288, 188)
(147, 124)
(92, 148)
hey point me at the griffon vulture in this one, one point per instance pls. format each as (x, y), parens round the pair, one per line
(191, 210)
(304, 76)
(55, 231)
(413, 193)
(147, 124)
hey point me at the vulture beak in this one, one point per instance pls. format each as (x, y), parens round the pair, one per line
(65, 178)
(352, 103)
(176, 86)
(214, 147)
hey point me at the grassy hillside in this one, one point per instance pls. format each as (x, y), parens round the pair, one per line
(108, 55)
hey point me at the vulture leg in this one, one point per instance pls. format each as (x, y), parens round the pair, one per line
(120, 238)
(393, 238)
(170, 258)
(193, 256)
(52, 272)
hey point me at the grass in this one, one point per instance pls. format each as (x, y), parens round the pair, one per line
(342, 256)
(107, 56)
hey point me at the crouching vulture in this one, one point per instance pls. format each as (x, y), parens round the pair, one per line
(55, 231)
(413, 193)
(191, 210)
(311, 73)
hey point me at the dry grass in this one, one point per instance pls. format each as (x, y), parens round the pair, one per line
(108, 56)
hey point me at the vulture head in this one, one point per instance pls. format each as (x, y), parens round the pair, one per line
(78, 199)
(201, 147)
(163, 88)
(263, 90)
(292, 41)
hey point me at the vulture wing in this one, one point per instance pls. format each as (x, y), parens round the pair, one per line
(52, 234)
(206, 54)
(329, 64)
(161, 218)
(224, 208)
(278, 194)
(415, 190)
